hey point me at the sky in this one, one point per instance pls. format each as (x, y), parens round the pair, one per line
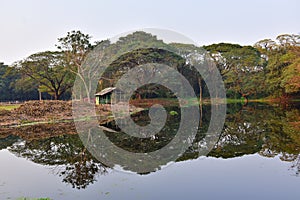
(31, 26)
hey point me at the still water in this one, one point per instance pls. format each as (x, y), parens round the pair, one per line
(257, 156)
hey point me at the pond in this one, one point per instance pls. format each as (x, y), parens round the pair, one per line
(257, 156)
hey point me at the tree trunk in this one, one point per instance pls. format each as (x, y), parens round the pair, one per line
(40, 95)
(55, 96)
(200, 90)
(201, 114)
(138, 96)
(80, 94)
(200, 100)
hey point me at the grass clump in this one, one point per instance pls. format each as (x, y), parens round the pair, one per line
(26, 198)
(9, 106)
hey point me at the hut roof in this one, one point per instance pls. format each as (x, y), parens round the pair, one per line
(105, 91)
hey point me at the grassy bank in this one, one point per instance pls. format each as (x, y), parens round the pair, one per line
(242, 101)
(26, 198)
(9, 106)
(274, 100)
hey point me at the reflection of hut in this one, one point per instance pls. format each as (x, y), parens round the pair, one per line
(104, 96)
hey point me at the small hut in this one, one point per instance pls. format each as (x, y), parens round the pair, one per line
(104, 96)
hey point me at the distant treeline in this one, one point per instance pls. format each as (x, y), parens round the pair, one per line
(269, 68)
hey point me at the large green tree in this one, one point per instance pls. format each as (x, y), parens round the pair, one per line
(242, 68)
(48, 69)
(11, 86)
(140, 48)
(5, 93)
(282, 69)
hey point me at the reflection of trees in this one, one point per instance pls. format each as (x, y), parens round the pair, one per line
(6, 141)
(264, 129)
(71, 160)
(282, 137)
(243, 132)
(296, 165)
(143, 145)
(143, 155)
(82, 173)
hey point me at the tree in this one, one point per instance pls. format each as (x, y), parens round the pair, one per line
(291, 74)
(10, 89)
(22, 86)
(141, 48)
(238, 66)
(4, 83)
(282, 68)
(140, 57)
(49, 71)
(76, 45)
(194, 55)
(288, 40)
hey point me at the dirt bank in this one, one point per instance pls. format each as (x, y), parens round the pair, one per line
(36, 119)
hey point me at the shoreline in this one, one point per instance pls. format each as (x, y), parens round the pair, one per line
(53, 112)
(34, 119)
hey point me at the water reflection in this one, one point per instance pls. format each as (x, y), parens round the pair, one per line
(70, 159)
(268, 130)
(256, 128)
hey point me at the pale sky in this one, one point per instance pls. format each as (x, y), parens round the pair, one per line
(31, 26)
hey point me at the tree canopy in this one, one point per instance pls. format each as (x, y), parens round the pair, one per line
(49, 70)
(269, 68)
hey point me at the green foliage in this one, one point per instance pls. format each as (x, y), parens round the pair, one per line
(4, 83)
(143, 56)
(269, 68)
(173, 112)
(221, 47)
(282, 69)
(238, 66)
(49, 70)
(10, 89)
(291, 78)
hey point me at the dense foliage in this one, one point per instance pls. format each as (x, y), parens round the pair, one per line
(270, 68)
